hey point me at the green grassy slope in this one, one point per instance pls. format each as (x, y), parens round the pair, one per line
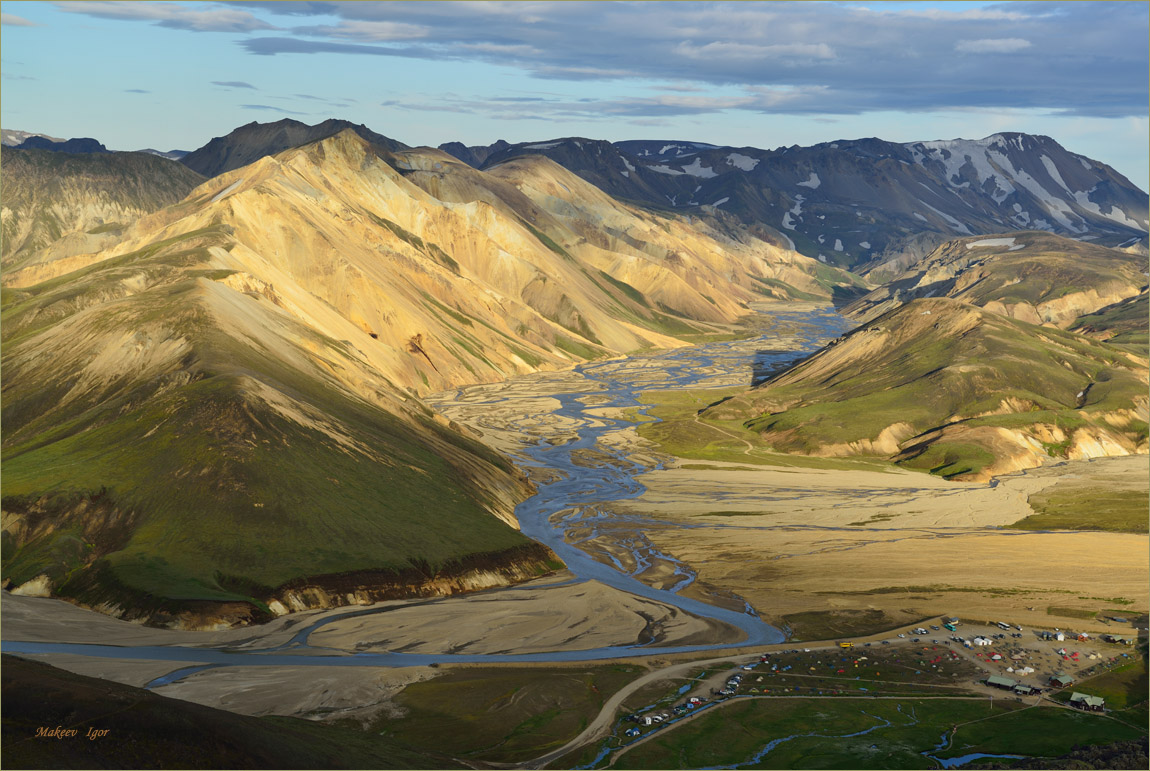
(146, 730)
(1123, 323)
(156, 457)
(941, 378)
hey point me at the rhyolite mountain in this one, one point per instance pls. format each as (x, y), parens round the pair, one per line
(61, 204)
(944, 386)
(254, 140)
(1029, 275)
(218, 417)
(851, 202)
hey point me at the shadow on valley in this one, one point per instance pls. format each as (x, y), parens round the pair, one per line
(768, 363)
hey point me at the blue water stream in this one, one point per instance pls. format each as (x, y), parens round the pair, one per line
(568, 499)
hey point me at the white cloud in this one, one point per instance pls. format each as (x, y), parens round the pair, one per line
(999, 45)
(369, 31)
(171, 15)
(725, 50)
(12, 20)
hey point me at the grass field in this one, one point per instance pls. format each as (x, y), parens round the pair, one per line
(1078, 507)
(828, 624)
(866, 733)
(502, 715)
(1123, 687)
(682, 432)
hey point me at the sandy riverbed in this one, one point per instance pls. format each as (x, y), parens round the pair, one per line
(904, 543)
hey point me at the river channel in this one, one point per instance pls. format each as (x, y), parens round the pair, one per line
(568, 497)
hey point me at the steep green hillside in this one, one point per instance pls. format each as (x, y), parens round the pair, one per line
(90, 198)
(169, 440)
(944, 386)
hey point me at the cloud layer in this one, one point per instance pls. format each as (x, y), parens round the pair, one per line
(1075, 58)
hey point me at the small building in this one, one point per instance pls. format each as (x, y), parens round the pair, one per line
(1023, 690)
(1004, 683)
(1119, 639)
(1088, 703)
(1061, 680)
(1059, 636)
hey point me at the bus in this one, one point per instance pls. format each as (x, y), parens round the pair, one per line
(846, 645)
(1003, 626)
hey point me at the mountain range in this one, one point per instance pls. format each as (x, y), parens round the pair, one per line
(256, 350)
(213, 367)
(855, 204)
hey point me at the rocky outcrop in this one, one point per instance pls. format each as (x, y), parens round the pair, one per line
(473, 573)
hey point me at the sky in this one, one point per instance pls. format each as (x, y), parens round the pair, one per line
(172, 75)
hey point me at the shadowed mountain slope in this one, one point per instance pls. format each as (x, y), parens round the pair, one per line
(944, 386)
(146, 730)
(848, 201)
(69, 204)
(253, 141)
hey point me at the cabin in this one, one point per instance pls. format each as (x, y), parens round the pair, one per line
(1061, 680)
(1087, 703)
(1023, 690)
(1118, 639)
(1005, 683)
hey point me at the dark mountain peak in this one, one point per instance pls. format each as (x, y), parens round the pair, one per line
(474, 155)
(77, 146)
(253, 141)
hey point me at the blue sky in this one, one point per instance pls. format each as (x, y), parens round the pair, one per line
(765, 74)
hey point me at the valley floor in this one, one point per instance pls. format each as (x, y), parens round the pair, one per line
(821, 548)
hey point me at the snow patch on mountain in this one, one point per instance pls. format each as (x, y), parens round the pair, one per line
(1052, 170)
(666, 170)
(542, 146)
(696, 169)
(742, 162)
(1115, 214)
(813, 182)
(955, 224)
(990, 242)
